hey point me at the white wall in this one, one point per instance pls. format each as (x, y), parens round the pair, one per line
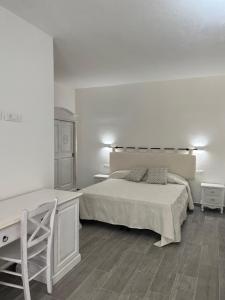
(64, 97)
(171, 113)
(27, 87)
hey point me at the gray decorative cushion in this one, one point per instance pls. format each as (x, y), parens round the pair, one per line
(157, 176)
(136, 174)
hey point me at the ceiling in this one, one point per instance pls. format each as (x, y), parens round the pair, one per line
(106, 42)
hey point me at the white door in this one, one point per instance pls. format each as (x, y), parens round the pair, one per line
(64, 155)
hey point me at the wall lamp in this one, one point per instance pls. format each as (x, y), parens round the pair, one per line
(134, 148)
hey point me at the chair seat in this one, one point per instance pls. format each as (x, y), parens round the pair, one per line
(12, 252)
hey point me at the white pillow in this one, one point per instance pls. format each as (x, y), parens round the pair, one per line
(120, 174)
(174, 178)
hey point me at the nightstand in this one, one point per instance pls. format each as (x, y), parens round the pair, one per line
(100, 177)
(212, 196)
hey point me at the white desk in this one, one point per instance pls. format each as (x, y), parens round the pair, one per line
(66, 237)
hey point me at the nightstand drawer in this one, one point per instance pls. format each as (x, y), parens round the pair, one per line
(213, 200)
(213, 192)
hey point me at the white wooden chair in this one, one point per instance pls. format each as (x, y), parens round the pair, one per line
(35, 240)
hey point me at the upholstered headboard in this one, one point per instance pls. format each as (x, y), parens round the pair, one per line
(181, 164)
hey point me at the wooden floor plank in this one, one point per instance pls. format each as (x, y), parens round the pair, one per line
(123, 272)
(166, 274)
(184, 287)
(94, 280)
(189, 263)
(210, 253)
(208, 283)
(156, 296)
(141, 280)
(101, 294)
(222, 279)
(113, 257)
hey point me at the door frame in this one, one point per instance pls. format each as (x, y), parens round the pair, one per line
(63, 114)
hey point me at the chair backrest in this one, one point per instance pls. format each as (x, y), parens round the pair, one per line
(37, 225)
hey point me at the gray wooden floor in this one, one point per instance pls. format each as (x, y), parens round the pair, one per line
(123, 264)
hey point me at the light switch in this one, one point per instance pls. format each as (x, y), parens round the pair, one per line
(12, 117)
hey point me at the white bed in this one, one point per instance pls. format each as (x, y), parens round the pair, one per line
(161, 208)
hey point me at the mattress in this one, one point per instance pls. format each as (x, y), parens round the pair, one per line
(161, 208)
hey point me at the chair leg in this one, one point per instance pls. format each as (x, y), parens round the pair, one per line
(49, 279)
(49, 268)
(25, 279)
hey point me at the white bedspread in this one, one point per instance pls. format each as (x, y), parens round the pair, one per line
(161, 208)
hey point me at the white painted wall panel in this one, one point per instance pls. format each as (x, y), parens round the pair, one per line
(64, 97)
(170, 113)
(27, 87)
